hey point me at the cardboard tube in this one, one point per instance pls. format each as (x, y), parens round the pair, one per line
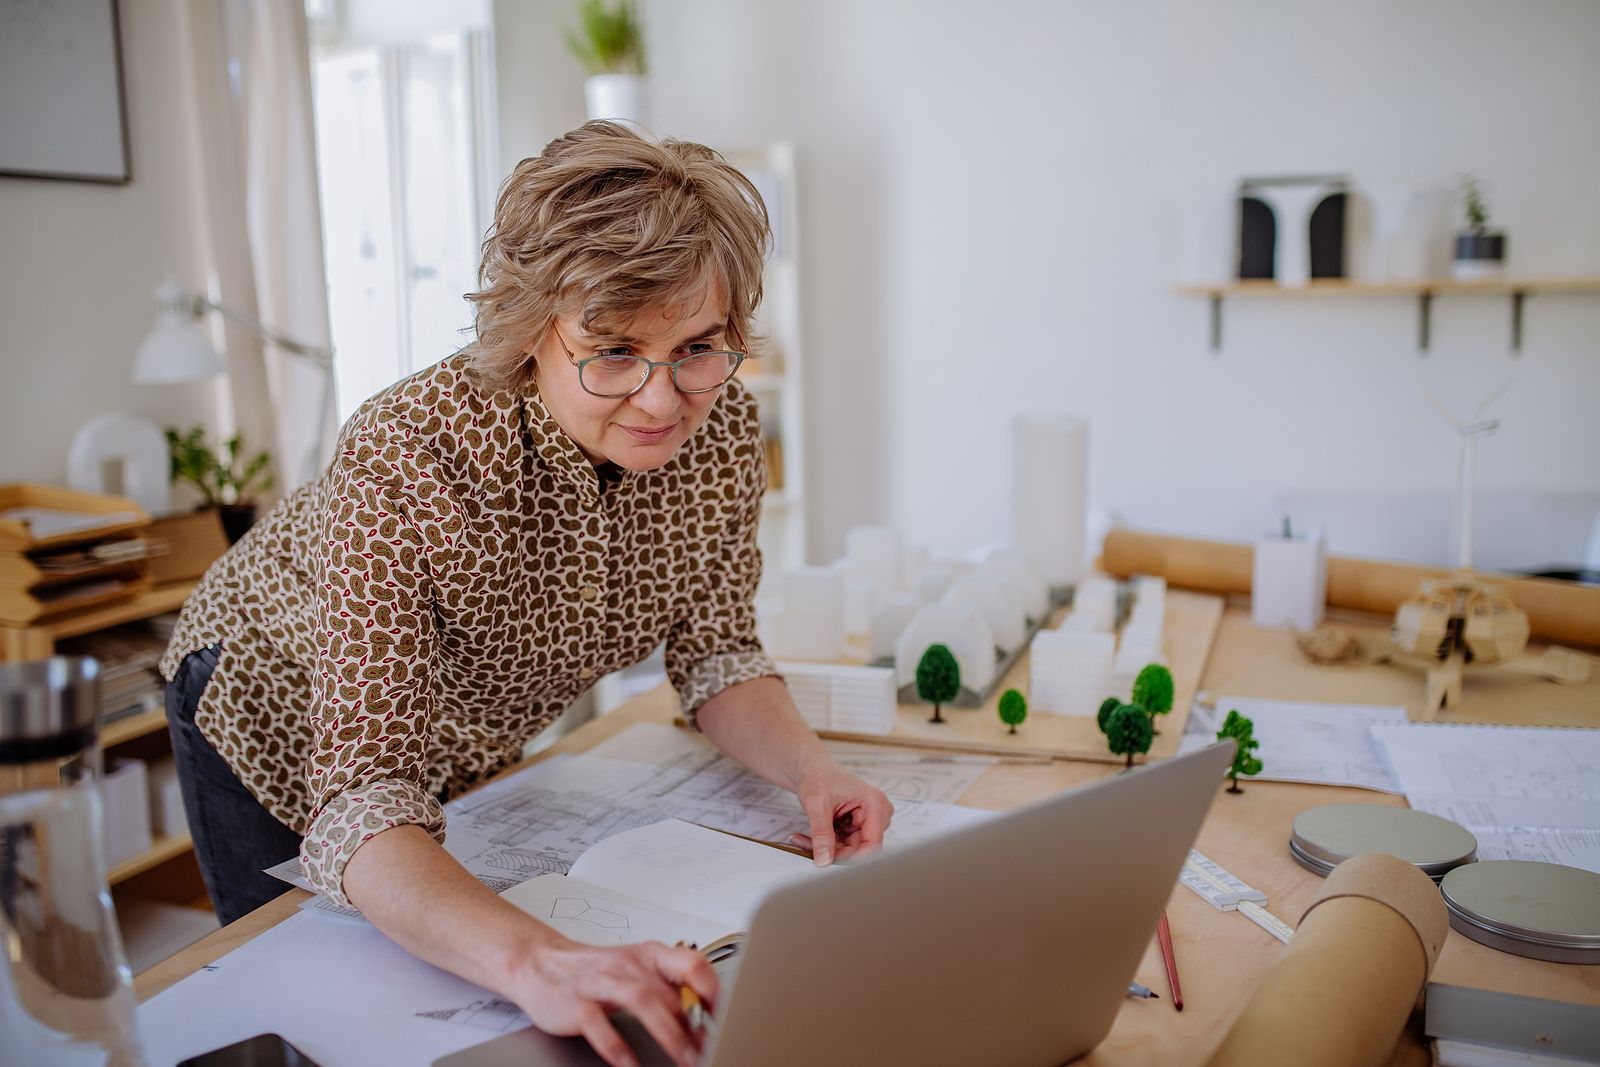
(1341, 993)
(1564, 612)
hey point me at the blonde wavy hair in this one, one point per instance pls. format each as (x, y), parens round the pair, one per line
(605, 224)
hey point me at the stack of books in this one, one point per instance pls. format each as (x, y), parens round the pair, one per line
(128, 655)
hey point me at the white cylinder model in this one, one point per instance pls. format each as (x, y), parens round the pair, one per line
(1289, 584)
(1049, 494)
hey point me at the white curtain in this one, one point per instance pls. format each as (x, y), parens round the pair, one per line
(252, 81)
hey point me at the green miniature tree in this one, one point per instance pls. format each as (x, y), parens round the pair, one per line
(1129, 731)
(1107, 706)
(1152, 691)
(938, 678)
(1242, 731)
(1013, 709)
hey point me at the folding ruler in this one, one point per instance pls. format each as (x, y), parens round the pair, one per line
(1226, 893)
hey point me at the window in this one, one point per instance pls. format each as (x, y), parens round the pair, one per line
(403, 111)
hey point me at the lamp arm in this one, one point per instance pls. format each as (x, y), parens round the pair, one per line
(322, 357)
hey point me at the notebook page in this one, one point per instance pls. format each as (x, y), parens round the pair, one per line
(700, 872)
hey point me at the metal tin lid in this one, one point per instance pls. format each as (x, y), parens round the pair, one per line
(1541, 910)
(1325, 837)
(48, 709)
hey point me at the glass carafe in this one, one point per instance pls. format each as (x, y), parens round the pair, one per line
(66, 994)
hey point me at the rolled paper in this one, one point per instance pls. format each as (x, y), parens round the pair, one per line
(1049, 494)
(1344, 987)
(1564, 612)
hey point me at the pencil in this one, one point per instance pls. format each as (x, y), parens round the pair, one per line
(1164, 936)
(694, 1011)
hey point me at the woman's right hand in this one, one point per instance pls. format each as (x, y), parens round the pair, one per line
(567, 988)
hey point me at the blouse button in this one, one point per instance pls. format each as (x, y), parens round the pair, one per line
(590, 592)
(586, 675)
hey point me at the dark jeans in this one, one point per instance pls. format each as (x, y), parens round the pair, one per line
(234, 836)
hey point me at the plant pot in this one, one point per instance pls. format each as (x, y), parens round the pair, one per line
(236, 520)
(620, 97)
(1479, 256)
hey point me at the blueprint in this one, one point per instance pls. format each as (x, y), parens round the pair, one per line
(1525, 792)
(540, 819)
(1326, 744)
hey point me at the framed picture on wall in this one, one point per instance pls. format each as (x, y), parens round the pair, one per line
(62, 113)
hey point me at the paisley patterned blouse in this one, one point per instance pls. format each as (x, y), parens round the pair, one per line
(400, 628)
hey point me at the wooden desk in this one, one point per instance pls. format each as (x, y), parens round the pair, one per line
(1222, 957)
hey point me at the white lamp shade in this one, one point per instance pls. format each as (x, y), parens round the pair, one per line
(176, 351)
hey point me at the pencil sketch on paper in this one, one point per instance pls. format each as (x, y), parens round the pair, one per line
(494, 1013)
(578, 909)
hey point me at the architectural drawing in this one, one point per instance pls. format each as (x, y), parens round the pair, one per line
(494, 1014)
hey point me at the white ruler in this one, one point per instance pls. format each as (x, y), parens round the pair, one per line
(1225, 892)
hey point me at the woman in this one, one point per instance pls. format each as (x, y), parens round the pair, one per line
(493, 534)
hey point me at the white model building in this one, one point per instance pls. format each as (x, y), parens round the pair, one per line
(985, 594)
(872, 573)
(808, 621)
(1049, 494)
(857, 700)
(888, 623)
(1070, 671)
(963, 630)
(1014, 566)
(1094, 607)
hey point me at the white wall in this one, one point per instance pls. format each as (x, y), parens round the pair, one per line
(998, 197)
(79, 264)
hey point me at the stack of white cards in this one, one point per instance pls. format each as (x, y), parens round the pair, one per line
(856, 700)
(1069, 671)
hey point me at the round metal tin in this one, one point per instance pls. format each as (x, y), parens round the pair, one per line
(1541, 910)
(1325, 837)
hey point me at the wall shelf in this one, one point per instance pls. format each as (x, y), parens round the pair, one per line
(1424, 292)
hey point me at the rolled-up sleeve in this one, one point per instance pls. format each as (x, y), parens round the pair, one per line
(715, 644)
(371, 704)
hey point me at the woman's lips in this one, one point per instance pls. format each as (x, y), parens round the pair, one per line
(650, 436)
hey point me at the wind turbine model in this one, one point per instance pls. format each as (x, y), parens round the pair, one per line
(1461, 620)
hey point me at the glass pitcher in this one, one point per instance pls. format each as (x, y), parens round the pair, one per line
(66, 994)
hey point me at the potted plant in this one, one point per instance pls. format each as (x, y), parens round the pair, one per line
(227, 480)
(609, 42)
(1480, 253)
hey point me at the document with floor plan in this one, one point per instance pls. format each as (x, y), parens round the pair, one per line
(670, 881)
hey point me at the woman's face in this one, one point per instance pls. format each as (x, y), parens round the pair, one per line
(643, 431)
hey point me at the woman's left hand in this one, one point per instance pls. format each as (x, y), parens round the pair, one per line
(848, 817)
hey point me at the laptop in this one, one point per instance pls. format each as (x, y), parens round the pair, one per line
(1011, 941)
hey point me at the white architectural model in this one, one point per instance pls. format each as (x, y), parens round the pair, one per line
(809, 620)
(1049, 494)
(1014, 567)
(1094, 607)
(964, 631)
(872, 573)
(888, 623)
(1070, 671)
(990, 598)
(857, 700)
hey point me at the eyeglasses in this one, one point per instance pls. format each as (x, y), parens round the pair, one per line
(617, 376)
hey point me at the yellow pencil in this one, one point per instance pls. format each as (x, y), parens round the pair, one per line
(694, 1011)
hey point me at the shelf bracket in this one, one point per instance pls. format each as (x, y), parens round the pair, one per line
(1516, 320)
(1424, 319)
(1216, 322)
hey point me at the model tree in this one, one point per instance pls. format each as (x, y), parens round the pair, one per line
(1152, 691)
(938, 678)
(1129, 731)
(1013, 709)
(1242, 731)
(1107, 706)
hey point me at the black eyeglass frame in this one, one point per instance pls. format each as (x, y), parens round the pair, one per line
(650, 368)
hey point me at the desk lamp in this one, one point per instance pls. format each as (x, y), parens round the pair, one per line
(176, 350)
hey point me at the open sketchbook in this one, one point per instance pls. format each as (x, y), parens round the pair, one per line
(670, 881)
